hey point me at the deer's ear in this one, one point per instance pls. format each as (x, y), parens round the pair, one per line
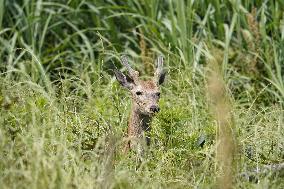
(160, 73)
(123, 80)
(162, 77)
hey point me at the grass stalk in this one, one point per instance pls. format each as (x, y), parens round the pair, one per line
(2, 9)
(225, 140)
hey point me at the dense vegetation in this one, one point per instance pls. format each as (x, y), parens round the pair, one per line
(63, 115)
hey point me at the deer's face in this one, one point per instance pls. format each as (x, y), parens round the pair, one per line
(146, 97)
(145, 94)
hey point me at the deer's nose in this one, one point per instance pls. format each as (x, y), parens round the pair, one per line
(154, 109)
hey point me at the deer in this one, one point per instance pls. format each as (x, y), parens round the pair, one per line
(145, 97)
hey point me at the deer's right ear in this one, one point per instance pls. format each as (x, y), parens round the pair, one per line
(123, 80)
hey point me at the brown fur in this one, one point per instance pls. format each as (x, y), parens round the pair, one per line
(140, 117)
(145, 98)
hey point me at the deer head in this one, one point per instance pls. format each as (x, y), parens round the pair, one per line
(145, 94)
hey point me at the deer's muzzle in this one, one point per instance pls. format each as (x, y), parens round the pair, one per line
(154, 109)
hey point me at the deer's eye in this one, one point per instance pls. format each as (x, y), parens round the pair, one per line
(158, 94)
(139, 93)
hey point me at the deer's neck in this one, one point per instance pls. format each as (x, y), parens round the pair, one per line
(138, 122)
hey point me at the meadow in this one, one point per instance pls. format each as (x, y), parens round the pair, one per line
(63, 115)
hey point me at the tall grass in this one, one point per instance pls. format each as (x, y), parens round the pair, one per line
(1, 12)
(225, 131)
(63, 116)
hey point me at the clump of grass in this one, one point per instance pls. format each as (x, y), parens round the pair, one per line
(254, 44)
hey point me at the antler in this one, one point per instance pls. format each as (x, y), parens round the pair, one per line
(132, 73)
(159, 69)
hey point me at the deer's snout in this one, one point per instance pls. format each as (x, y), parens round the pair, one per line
(154, 109)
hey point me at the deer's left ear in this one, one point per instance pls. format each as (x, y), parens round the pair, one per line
(162, 77)
(160, 73)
